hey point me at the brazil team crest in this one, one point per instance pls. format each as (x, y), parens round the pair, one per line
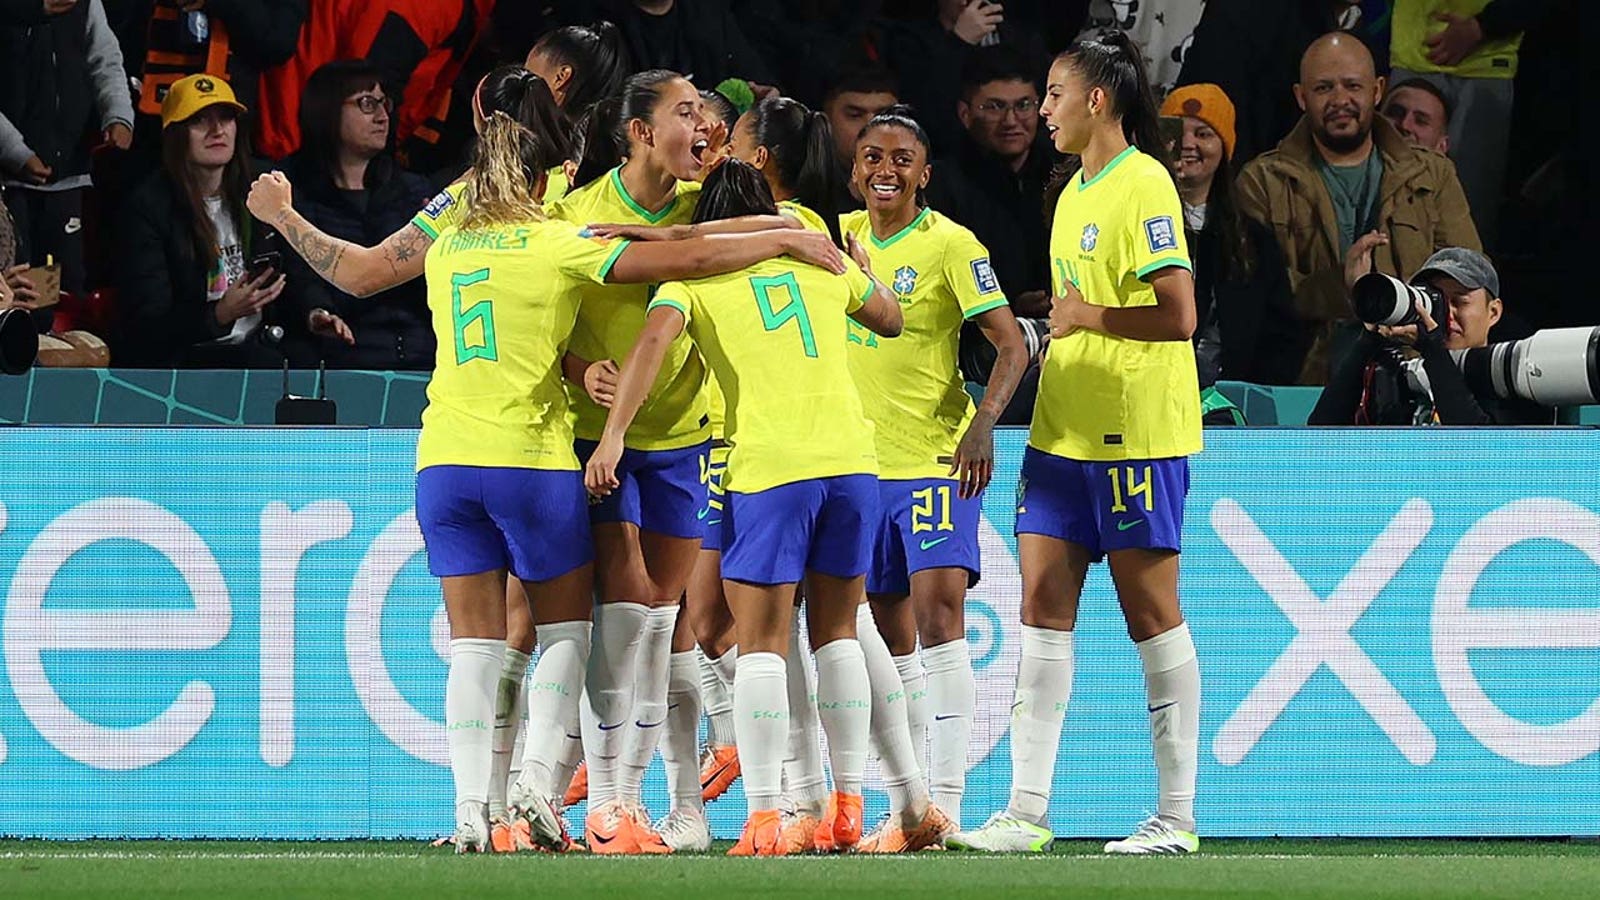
(905, 280)
(1091, 234)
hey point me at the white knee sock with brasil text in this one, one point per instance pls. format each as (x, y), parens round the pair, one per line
(806, 781)
(844, 704)
(553, 694)
(1172, 690)
(761, 723)
(916, 684)
(1044, 685)
(469, 719)
(891, 735)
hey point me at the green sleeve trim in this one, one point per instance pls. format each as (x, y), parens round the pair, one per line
(872, 285)
(669, 303)
(427, 229)
(1162, 263)
(983, 308)
(611, 261)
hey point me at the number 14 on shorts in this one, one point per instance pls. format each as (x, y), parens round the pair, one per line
(1128, 483)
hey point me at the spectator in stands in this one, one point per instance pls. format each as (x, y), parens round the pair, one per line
(1421, 113)
(63, 80)
(1248, 330)
(1004, 159)
(184, 295)
(699, 38)
(1251, 49)
(852, 100)
(1369, 386)
(1342, 172)
(929, 53)
(1468, 49)
(347, 184)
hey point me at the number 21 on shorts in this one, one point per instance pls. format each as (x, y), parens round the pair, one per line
(1124, 485)
(926, 504)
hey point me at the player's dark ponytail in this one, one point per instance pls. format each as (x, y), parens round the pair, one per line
(598, 144)
(524, 135)
(598, 59)
(1111, 61)
(801, 144)
(733, 189)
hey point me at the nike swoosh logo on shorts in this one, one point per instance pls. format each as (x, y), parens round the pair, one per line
(929, 545)
(701, 514)
(1124, 526)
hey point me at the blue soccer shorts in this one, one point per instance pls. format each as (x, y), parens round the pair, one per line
(1103, 506)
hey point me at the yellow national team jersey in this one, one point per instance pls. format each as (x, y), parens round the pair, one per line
(504, 301)
(716, 407)
(1103, 397)
(774, 334)
(611, 316)
(910, 385)
(556, 185)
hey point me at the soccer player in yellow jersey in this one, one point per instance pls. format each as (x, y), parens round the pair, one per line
(464, 406)
(1106, 469)
(795, 507)
(935, 453)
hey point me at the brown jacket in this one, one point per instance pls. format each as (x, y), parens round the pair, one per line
(1420, 206)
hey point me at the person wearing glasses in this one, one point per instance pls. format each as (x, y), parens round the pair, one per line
(348, 185)
(1005, 161)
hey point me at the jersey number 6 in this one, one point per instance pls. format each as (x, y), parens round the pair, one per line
(794, 309)
(481, 313)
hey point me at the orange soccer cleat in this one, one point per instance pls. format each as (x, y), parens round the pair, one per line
(578, 788)
(645, 835)
(799, 833)
(609, 830)
(510, 837)
(891, 838)
(762, 835)
(840, 828)
(719, 769)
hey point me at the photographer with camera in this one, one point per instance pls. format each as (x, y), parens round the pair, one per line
(1449, 305)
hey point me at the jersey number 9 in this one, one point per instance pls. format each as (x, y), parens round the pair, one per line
(793, 310)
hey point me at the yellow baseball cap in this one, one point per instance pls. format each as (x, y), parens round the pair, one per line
(189, 96)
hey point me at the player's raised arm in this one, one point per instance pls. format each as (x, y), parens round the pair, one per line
(356, 270)
(702, 257)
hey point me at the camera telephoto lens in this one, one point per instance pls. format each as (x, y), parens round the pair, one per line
(1380, 299)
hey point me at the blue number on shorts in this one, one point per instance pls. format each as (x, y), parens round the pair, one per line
(794, 310)
(481, 312)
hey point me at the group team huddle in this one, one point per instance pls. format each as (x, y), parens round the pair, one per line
(676, 398)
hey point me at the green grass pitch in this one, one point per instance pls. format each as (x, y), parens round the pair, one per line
(391, 870)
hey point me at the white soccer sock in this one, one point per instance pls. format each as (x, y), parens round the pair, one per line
(844, 703)
(805, 781)
(508, 711)
(952, 697)
(891, 734)
(761, 720)
(552, 699)
(718, 702)
(916, 684)
(469, 718)
(609, 680)
(679, 744)
(1044, 685)
(649, 702)
(1172, 687)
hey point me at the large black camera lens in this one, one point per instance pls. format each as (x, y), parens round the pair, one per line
(19, 342)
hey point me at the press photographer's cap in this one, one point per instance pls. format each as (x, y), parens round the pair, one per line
(188, 97)
(1469, 267)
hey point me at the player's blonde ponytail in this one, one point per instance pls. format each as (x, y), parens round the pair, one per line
(498, 188)
(522, 134)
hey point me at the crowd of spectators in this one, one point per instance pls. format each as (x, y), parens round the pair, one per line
(1310, 139)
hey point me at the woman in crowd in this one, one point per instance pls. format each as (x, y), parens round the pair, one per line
(186, 296)
(351, 188)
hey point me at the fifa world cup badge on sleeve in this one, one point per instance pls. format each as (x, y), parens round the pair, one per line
(1158, 232)
(440, 202)
(983, 276)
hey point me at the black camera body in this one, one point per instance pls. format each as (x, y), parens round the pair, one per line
(1380, 299)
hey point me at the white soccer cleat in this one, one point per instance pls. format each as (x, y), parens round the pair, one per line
(472, 836)
(685, 831)
(545, 827)
(1154, 835)
(1004, 833)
